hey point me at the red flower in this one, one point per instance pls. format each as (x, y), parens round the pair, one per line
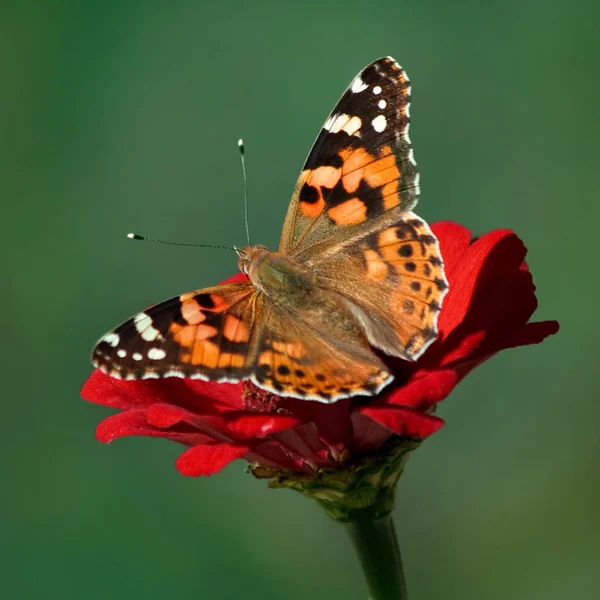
(487, 309)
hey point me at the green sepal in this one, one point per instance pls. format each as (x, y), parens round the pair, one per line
(363, 489)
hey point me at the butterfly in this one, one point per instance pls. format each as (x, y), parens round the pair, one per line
(356, 270)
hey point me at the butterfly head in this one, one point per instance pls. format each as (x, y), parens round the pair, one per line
(248, 255)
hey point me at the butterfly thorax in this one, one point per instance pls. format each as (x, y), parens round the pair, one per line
(275, 274)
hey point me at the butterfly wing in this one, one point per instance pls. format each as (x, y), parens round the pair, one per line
(393, 281)
(206, 334)
(351, 220)
(325, 363)
(361, 172)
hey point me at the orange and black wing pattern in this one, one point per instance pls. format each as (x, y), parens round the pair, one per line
(206, 334)
(395, 283)
(361, 165)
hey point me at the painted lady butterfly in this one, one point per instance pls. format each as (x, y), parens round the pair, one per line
(355, 269)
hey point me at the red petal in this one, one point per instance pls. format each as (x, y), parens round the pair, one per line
(230, 394)
(166, 415)
(505, 305)
(271, 453)
(208, 459)
(489, 255)
(303, 443)
(332, 420)
(102, 389)
(404, 421)
(198, 396)
(229, 426)
(424, 390)
(133, 422)
(532, 333)
(237, 277)
(368, 435)
(454, 242)
(258, 425)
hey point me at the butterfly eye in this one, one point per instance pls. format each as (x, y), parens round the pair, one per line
(243, 260)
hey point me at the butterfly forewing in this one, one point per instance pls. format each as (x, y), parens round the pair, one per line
(203, 334)
(351, 215)
(361, 165)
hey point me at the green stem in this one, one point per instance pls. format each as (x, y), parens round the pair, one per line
(377, 547)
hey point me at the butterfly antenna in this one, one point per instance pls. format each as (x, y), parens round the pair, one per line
(135, 236)
(242, 151)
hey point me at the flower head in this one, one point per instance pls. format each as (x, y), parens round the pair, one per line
(490, 301)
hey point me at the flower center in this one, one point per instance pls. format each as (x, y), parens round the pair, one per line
(259, 400)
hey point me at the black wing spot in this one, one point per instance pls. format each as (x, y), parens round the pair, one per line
(440, 284)
(205, 301)
(427, 239)
(412, 340)
(406, 251)
(309, 194)
(428, 333)
(415, 286)
(263, 372)
(411, 267)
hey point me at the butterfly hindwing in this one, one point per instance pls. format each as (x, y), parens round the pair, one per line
(394, 282)
(323, 362)
(361, 165)
(205, 334)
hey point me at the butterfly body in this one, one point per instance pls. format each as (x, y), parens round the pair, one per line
(277, 275)
(356, 270)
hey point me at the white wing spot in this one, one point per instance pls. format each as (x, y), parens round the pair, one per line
(358, 85)
(150, 375)
(352, 126)
(156, 354)
(142, 320)
(137, 356)
(411, 157)
(330, 121)
(379, 123)
(143, 324)
(150, 334)
(173, 374)
(343, 122)
(377, 90)
(122, 353)
(382, 104)
(112, 338)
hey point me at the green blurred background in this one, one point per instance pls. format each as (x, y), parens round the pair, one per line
(124, 116)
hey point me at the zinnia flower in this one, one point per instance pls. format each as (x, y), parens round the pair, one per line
(487, 309)
(349, 455)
